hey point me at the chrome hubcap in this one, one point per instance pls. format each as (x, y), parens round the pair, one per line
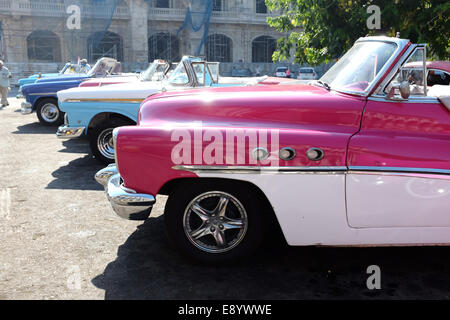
(49, 112)
(215, 222)
(105, 143)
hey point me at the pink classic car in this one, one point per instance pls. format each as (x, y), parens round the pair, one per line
(360, 157)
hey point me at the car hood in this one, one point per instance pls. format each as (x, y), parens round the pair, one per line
(109, 80)
(63, 77)
(286, 105)
(36, 76)
(132, 90)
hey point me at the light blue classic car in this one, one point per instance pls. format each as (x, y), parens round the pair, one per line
(69, 68)
(41, 95)
(96, 111)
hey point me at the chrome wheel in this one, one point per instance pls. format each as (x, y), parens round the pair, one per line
(215, 222)
(49, 112)
(105, 143)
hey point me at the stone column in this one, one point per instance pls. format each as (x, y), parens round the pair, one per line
(139, 33)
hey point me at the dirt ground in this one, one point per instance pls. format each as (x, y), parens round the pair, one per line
(60, 239)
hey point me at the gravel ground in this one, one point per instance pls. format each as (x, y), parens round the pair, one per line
(59, 239)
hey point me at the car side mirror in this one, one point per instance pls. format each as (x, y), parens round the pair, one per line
(403, 87)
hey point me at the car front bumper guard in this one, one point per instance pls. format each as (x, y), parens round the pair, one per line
(26, 108)
(125, 202)
(65, 132)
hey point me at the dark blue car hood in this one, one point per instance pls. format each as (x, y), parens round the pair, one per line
(62, 78)
(51, 87)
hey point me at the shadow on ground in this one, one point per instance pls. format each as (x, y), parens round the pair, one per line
(35, 128)
(77, 145)
(146, 267)
(78, 174)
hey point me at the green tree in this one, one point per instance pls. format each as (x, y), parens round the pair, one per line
(322, 30)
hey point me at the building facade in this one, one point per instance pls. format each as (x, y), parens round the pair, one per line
(40, 35)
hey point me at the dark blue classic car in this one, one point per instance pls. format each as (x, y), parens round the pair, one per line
(41, 95)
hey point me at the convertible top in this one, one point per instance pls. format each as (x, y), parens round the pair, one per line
(442, 93)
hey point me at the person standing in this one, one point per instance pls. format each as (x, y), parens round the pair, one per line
(85, 67)
(288, 73)
(5, 75)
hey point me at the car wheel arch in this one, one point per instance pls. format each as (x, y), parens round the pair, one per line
(38, 100)
(105, 117)
(270, 215)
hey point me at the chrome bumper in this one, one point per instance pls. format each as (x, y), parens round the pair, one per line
(65, 132)
(26, 108)
(125, 202)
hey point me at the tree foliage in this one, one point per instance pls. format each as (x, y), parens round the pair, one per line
(322, 30)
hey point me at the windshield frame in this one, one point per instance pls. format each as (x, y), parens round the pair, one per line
(154, 66)
(106, 60)
(186, 64)
(400, 46)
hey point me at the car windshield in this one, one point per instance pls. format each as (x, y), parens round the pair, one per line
(71, 68)
(281, 69)
(103, 67)
(154, 72)
(306, 71)
(356, 70)
(179, 75)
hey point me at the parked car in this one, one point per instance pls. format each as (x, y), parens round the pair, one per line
(357, 137)
(306, 74)
(438, 72)
(156, 71)
(97, 111)
(41, 95)
(283, 72)
(69, 68)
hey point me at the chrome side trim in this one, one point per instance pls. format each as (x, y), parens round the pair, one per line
(411, 99)
(106, 100)
(262, 169)
(306, 169)
(42, 94)
(399, 169)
